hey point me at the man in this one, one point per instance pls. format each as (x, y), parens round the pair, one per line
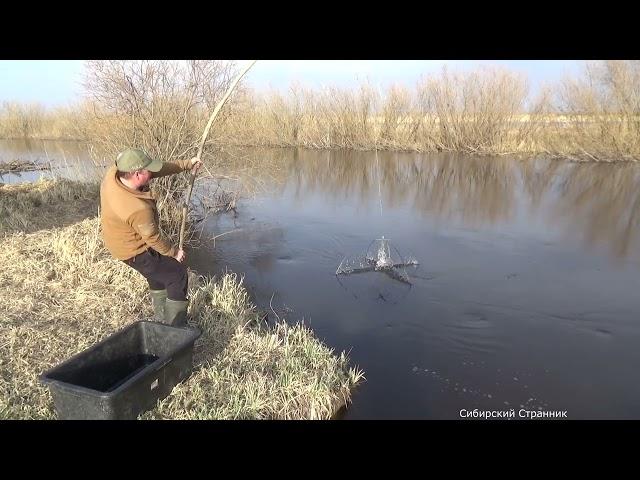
(130, 230)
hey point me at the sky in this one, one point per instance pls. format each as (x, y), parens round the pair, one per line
(58, 82)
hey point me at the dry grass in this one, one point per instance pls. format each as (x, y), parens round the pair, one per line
(162, 106)
(246, 370)
(476, 112)
(35, 121)
(32, 206)
(601, 113)
(61, 292)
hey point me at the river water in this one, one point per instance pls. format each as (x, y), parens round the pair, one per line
(525, 296)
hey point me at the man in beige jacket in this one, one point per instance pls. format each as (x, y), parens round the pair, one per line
(130, 230)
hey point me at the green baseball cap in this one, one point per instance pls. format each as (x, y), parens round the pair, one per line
(136, 159)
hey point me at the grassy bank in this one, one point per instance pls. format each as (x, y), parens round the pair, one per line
(35, 121)
(62, 292)
(163, 107)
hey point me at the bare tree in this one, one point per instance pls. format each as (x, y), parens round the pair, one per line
(601, 112)
(161, 106)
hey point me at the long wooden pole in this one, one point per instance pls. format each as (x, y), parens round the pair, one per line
(201, 147)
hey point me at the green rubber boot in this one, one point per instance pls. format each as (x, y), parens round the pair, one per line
(158, 298)
(175, 312)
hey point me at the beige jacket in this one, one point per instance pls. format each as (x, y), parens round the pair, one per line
(129, 217)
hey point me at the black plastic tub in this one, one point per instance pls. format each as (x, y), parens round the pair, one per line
(123, 375)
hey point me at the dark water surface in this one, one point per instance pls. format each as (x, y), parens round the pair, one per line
(526, 296)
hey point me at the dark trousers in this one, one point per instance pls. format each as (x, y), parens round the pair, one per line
(162, 272)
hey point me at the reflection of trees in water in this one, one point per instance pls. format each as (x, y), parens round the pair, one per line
(67, 159)
(600, 202)
(26, 146)
(248, 171)
(338, 174)
(538, 177)
(476, 190)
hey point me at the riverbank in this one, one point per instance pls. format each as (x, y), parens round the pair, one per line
(488, 111)
(62, 292)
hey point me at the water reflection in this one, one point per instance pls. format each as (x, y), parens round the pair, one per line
(594, 204)
(603, 203)
(26, 149)
(474, 190)
(65, 159)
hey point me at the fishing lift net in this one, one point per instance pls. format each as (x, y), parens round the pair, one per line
(381, 256)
